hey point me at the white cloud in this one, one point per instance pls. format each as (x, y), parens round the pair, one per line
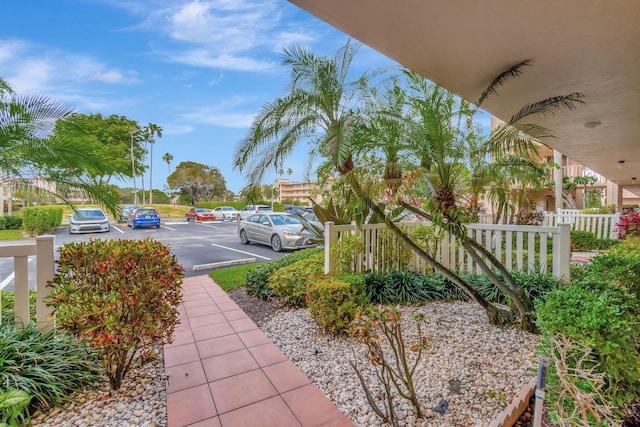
(205, 58)
(238, 35)
(219, 117)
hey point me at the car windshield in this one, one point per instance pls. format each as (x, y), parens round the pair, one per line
(226, 208)
(146, 212)
(284, 220)
(89, 213)
(201, 210)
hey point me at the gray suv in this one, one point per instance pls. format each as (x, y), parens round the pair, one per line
(125, 212)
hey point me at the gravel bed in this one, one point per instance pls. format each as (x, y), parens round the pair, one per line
(140, 401)
(477, 368)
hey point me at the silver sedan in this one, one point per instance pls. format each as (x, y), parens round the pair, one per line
(279, 230)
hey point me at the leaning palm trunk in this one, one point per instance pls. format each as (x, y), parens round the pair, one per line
(497, 316)
(479, 254)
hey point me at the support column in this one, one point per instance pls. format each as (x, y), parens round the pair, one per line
(557, 179)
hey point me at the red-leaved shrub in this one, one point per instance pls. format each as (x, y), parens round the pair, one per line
(121, 296)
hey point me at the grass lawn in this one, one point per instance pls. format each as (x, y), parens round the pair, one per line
(11, 235)
(233, 277)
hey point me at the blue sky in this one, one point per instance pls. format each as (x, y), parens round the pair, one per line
(200, 69)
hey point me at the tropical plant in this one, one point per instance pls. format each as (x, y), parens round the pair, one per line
(40, 369)
(29, 151)
(150, 132)
(380, 330)
(120, 296)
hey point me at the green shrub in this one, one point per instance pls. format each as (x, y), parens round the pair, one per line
(402, 287)
(37, 220)
(120, 296)
(257, 281)
(7, 303)
(10, 222)
(334, 300)
(40, 370)
(619, 265)
(597, 315)
(289, 283)
(587, 241)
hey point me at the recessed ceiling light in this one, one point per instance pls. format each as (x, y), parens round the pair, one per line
(620, 164)
(593, 124)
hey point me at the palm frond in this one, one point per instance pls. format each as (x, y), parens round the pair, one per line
(549, 107)
(513, 71)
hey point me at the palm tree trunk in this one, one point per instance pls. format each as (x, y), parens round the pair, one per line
(497, 316)
(151, 174)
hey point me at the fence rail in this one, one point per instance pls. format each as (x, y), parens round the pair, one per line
(515, 246)
(43, 250)
(602, 225)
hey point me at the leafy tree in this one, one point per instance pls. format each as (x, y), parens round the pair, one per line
(31, 152)
(198, 181)
(111, 138)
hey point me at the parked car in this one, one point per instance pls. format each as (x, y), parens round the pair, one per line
(144, 217)
(252, 209)
(200, 214)
(277, 229)
(226, 213)
(125, 211)
(88, 220)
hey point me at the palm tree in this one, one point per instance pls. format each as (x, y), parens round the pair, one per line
(319, 109)
(152, 130)
(29, 151)
(168, 158)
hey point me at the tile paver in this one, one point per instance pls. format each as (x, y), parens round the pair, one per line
(224, 372)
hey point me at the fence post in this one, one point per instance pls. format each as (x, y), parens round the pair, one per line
(21, 289)
(45, 270)
(330, 238)
(563, 255)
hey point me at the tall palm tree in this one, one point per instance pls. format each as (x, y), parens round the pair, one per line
(168, 158)
(29, 151)
(152, 130)
(320, 109)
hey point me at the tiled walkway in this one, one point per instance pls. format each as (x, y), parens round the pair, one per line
(223, 371)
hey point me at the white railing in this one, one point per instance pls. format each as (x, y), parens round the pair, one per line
(602, 225)
(43, 250)
(515, 246)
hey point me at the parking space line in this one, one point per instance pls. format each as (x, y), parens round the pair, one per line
(207, 225)
(116, 228)
(168, 228)
(242, 252)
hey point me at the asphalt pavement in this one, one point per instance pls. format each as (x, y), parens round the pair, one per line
(198, 246)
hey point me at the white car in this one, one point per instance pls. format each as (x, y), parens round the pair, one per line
(226, 213)
(252, 209)
(89, 220)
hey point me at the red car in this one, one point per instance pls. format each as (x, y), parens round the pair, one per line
(200, 214)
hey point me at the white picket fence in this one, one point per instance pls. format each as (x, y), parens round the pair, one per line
(515, 246)
(43, 250)
(602, 225)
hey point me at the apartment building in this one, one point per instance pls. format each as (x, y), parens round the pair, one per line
(297, 191)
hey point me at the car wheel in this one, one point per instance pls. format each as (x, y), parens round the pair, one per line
(276, 244)
(158, 226)
(244, 239)
(187, 219)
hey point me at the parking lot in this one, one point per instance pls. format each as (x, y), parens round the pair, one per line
(198, 246)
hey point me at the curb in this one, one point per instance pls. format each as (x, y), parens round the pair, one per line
(223, 264)
(516, 408)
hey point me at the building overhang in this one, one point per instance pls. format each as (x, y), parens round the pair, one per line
(575, 46)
